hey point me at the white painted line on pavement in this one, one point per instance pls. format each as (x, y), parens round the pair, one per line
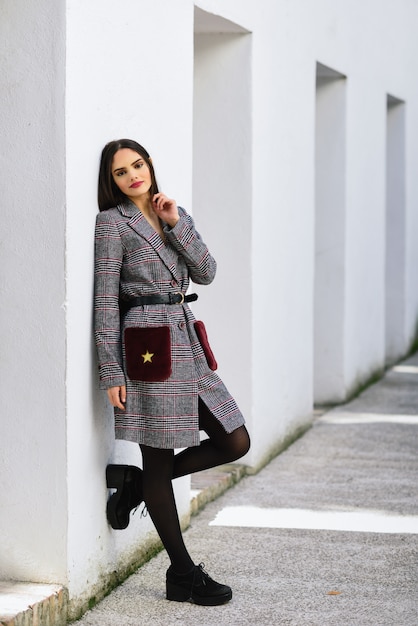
(405, 369)
(341, 417)
(355, 521)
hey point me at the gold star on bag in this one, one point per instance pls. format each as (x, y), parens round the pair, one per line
(147, 356)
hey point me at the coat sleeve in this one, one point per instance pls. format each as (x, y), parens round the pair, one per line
(108, 263)
(187, 241)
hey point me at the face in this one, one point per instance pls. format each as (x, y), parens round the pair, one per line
(131, 174)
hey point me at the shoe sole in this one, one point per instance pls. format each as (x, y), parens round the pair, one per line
(178, 594)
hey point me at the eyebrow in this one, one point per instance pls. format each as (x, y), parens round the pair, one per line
(123, 168)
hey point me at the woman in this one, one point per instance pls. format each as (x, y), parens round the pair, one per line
(154, 359)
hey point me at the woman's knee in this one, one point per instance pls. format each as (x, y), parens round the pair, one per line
(247, 441)
(240, 443)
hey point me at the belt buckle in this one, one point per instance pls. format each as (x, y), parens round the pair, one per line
(179, 293)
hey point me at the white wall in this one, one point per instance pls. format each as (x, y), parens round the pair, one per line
(330, 235)
(121, 82)
(222, 194)
(299, 36)
(411, 260)
(32, 331)
(102, 71)
(395, 266)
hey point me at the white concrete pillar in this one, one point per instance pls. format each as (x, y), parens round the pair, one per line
(330, 237)
(73, 77)
(129, 73)
(365, 228)
(395, 261)
(222, 193)
(33, 460)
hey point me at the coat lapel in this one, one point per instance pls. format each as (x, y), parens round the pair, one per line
(141, 226)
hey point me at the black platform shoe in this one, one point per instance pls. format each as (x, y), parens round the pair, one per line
(127, 480)
(196, 586)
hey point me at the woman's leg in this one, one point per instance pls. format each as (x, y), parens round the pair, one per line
(161, 466)
(184, 580)
(220, 448)
(161, 505)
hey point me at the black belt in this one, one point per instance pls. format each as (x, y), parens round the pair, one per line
(170, 298)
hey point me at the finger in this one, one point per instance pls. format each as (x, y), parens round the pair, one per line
(157, 197)
(161, 199)
(157, 204)
(110, 395)
(114, 397)
(118, 400)
(123, 394)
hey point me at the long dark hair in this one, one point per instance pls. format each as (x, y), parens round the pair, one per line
(109, 194)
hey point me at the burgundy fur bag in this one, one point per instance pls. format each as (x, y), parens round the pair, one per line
(204, 342)
(148, 353)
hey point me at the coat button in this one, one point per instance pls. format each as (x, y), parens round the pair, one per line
(174, 283)
(182, 325)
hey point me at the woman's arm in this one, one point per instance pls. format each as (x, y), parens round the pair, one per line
(108, 264)
(187, 241)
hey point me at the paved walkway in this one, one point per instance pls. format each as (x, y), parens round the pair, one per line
(326, 534)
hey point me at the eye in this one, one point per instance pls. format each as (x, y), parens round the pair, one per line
(138, 165)
(118, 174)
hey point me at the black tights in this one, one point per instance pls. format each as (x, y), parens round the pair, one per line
(161, 466)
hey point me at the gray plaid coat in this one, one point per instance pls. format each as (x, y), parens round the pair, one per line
(132, 260)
